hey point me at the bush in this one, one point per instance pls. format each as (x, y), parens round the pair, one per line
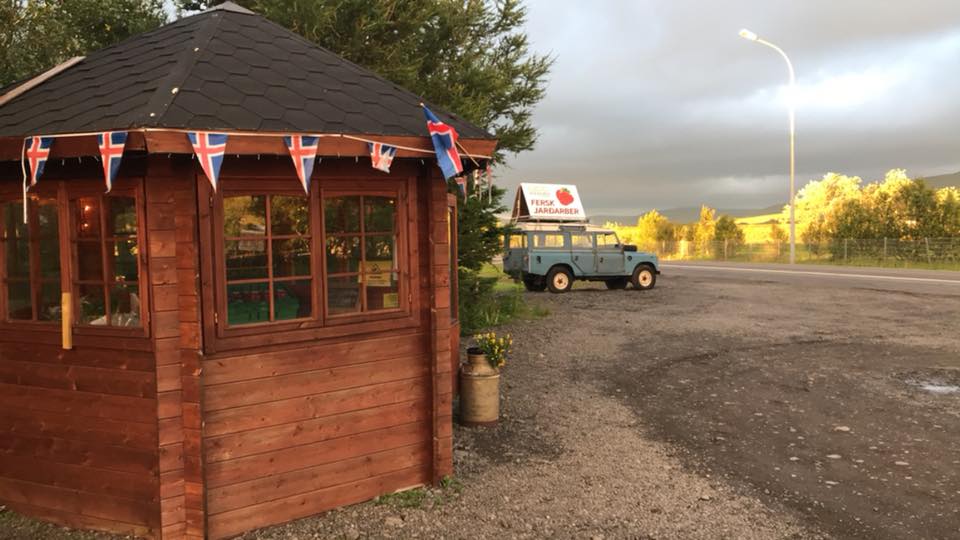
(487, 301)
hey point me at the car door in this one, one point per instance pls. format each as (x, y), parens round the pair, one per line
(609, 255)
(583, 254)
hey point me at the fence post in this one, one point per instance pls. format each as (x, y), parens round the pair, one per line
(724, 249)
(845, 240)
(927, 242)
(884, 258)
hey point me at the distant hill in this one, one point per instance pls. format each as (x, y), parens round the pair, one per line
(688, 215)
(944, 180)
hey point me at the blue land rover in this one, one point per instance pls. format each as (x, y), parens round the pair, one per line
(553, 255)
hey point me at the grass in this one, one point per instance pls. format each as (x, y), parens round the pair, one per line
(421, 497)
(490, 298)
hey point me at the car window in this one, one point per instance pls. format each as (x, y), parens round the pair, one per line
(544, 240)
(518, 241)
(607, 240)
(582, 241)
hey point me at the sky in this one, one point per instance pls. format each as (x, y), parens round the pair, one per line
(660, 104)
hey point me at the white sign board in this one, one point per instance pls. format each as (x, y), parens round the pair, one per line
(551, 202)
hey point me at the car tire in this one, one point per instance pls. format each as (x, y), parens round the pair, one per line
(559, 280)
(644, 277)
(617, 284)
(534, 283)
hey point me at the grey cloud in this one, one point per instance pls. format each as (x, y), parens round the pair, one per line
(660, 104)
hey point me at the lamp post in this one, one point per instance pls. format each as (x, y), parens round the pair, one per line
(751, 36)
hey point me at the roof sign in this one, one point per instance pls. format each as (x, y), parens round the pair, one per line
(548, 202)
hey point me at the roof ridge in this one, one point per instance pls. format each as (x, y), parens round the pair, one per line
(169, 87)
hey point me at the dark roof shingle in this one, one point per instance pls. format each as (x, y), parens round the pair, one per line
(227, 69)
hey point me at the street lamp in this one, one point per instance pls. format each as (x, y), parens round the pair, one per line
(751, 36)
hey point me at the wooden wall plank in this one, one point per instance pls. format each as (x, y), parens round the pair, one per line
(313, 406)
(101, 506)
(115, 458)
(310, 431)
(78, 521)
(80, 356)
(77, 403)
(44, 425)
(281, 510)
(314, 382)
(282, 362)
(82, 378)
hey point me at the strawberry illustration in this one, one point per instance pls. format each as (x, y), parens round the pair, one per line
(564, 196)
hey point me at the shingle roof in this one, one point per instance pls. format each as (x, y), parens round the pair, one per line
(223, 69)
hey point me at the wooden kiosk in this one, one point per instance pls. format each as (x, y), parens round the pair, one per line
(222, 359)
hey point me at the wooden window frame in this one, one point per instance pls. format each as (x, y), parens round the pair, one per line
(65, 191)
(34, 280)
(221, 337)
(129, 188)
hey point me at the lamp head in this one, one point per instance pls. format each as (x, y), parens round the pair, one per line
(748, 35)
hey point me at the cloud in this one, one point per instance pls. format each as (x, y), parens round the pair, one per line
(661, 104)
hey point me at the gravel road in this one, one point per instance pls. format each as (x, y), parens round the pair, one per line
(714, 406)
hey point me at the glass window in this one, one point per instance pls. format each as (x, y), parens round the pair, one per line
(267, 258)
(517, 241)
(361, 245)
(107, 253)
(546, 240)
(607, 241)
(31, 260)
(582, 241)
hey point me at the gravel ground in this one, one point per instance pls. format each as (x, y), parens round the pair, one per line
(695, 411)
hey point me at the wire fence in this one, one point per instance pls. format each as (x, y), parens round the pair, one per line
(930, 253)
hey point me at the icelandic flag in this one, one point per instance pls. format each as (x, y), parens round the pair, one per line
(209, 148)
(462, 184)
(111, 145)
(303, 151)
(381, 156)
(445, 144)
(37, 152)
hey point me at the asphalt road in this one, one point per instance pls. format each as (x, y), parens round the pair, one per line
(820, 276)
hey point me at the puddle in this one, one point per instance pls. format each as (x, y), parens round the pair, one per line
(942, 389)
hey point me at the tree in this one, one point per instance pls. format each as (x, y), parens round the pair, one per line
(818, 202)
(727, 230)
(704, 230)
(39, 34)
(481, 236)
(652, 227)
(468, 56)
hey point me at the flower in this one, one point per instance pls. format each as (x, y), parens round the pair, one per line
(494, 348)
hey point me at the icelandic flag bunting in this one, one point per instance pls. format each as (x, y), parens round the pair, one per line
(303, 150)
(209, 148)
(445, 144)
(111, 145)
(381, 156)
(462, 184)
(37, 152)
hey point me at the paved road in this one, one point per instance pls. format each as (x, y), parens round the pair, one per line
(893, 279)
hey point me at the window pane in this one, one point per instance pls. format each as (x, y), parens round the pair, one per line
(380, 251)
(124, 258)
(548, 240)
(292, 300)
(518, 240)
(342, 214)
(343, 254)
(291, 257)
(92, 309)
(379, 214)
(18, 258)
(89, 261)
(48, 219)
(245, 215)
(289, 215)
(246, 259)
(19, 304)
(88, 217)
(122, 216)
(343, 295)
(248, 303)
(582, 241)
(608, 240)
(49, 245)
(125, 304)
(383, 291)
(49, 308)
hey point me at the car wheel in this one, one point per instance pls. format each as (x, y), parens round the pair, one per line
(534, 283)
(617, 284)
(644, 278)
(559, 280)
